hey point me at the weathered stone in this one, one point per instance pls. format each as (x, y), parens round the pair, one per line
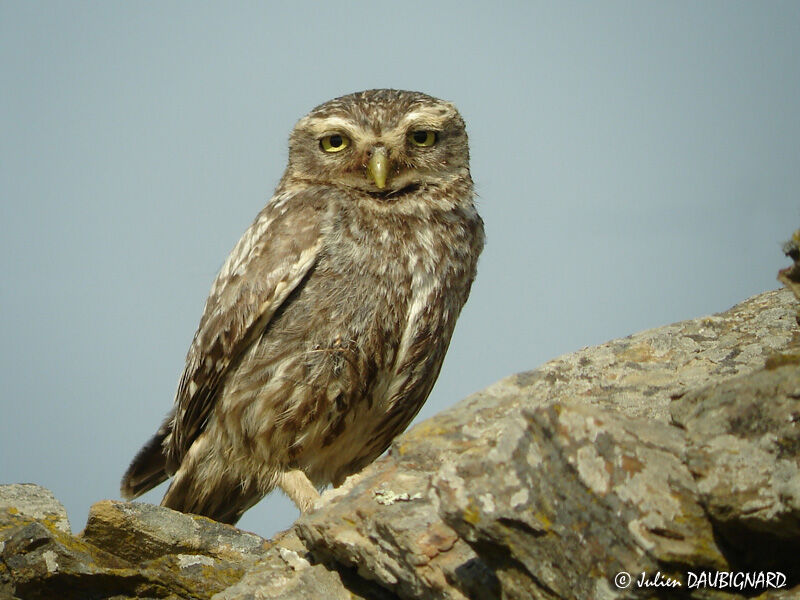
(569, 495)
(139, 532)
(383, 524)
(174, 560)
(143, 551)
(286, 573)
(744, 451)
(40, 560)
(640, 374)
(630, 478)
(34, 501)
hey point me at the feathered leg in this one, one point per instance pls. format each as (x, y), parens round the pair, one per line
(205, 484)
(299, 488)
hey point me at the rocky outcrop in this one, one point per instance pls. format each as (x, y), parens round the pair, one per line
(133, 550)
(664, 464)
(549, 483)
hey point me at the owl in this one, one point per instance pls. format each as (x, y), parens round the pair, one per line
(326, 327)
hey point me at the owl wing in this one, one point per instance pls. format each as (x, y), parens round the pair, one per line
(268, 262)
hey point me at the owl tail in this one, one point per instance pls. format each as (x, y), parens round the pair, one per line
(149, 468)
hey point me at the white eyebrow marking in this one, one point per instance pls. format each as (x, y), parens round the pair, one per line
(432, 116)
(327, 124)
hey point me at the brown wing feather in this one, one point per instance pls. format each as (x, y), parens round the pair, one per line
(268, 262)
(148, 468)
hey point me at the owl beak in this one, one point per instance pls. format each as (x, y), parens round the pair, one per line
(378, 167)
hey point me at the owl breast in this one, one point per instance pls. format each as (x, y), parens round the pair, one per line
(349, 358)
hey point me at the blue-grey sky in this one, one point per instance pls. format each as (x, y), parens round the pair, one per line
(637, 163)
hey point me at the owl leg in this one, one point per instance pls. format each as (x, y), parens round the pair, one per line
(299, 488)
(205, 485)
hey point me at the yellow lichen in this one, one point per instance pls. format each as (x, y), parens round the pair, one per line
(472, 515)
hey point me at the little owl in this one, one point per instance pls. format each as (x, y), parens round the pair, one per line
(326, 327)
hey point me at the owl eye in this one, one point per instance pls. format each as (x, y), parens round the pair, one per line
(334, 143)
(423, 138)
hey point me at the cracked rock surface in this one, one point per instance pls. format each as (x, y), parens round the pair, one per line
(670, 451)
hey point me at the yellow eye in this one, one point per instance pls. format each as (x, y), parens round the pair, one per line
(423, 138)
(334, 143)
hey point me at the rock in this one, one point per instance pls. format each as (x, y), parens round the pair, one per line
(642, 373)
(744, 452)
(592, 461)
(669, 454)
(126, 551)
(133, 550)
(286, 573)
(384, 525)
(572, 490)
(139, 532)
(36, 502)
(39, 558)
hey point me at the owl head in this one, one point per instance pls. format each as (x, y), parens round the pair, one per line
(381, 142)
